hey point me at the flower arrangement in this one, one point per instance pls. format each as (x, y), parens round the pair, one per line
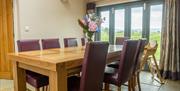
(90, 24)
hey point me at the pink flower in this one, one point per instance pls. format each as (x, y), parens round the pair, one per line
(92, 26)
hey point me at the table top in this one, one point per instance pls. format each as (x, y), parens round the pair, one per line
(53, 57)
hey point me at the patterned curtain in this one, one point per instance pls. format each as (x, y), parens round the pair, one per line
(170, 49)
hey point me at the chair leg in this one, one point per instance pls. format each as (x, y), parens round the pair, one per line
(46, 89)
(143, 62)
(133, 83)
(135, 80)
(138, 81)
(157, 68)
(43, 88)
(37, 89)
(129, 85)
(150, 67)
(107, 87)
(119, 88)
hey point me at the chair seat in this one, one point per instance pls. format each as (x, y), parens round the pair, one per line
(111, 75)
(114, 64)
(73, 83)
(36, 80)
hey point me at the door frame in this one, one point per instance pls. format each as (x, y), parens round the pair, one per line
(7, 38)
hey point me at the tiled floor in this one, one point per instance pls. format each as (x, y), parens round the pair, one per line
(146, 85)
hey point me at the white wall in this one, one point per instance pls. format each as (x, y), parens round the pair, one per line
(48, 19)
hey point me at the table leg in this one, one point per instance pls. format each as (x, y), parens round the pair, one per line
(58, 79)
(19, 76)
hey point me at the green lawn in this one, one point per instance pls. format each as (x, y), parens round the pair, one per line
(105, 34)
(135, 35)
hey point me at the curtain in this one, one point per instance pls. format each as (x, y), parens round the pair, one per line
(6, 38)
(170, 48)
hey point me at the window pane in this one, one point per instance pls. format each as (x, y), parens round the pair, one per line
(105, 26)
(119, 23)
(136, 22)
(156, 25)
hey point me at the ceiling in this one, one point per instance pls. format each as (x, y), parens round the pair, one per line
(110, 2)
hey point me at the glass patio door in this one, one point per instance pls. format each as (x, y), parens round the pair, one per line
(136, 22)
(156, 25)
(119, 22)
(105, 26)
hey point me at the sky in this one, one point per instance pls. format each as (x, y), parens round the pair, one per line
(136, 18)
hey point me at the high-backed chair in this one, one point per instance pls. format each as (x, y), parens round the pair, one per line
(141, 50)
(120, 40)
(50, 43)
(127, 62)
(34, 79)
(70, 42)
(136, 72)
(92, 68)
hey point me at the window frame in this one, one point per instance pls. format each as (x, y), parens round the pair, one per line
(146, 4)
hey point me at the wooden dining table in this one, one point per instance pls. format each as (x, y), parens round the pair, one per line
(57, 64)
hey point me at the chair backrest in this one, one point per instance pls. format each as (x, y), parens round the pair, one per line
(93, 66)
(120, 40)
(50, 43)
(153, 44)
(70, 42)
(83, 41)
(128, 58)
(151, 48)
(28, 45)
(143, 43)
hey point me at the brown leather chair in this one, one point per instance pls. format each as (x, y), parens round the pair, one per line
(92, 68)
(34, 79)
(136, 71)
(70, 42)
(116, 63)
(28, 45)
(50, 43)
(120, 40)
(83, 41)
(127, 63)
(141, 50)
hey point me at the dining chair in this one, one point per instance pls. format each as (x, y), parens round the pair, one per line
(70, 42)
(92, 68)
(34, 79)
(120, 40)
(136, 72)
(126, 65)
(50, 43)
(28, 45)
(115, 64)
